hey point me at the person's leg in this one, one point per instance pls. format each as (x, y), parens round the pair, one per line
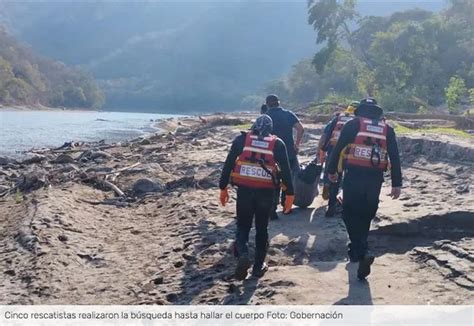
(326, 182)
(372, 204)
(373, 186)
(294, 167)
(245, 213)
(353, 210)
(333, 191)
(276, 198)
(262, 211)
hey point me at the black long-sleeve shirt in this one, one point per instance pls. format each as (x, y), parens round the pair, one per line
(348, 135)
(279, 153)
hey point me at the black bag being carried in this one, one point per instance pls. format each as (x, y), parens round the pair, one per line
(305, 183)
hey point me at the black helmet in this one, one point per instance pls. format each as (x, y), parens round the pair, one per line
(368, 106)
(263, 125)
(368, 101)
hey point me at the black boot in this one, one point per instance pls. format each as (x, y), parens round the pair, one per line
(243, 265)
(364, 267)
(260, 270)
(259, 266)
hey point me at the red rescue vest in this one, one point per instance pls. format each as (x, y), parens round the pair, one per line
(342, 119)
(248, 170)
(370, 146)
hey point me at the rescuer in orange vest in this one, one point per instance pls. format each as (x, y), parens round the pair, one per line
(256, 162)
(326, 143)
(365, 146)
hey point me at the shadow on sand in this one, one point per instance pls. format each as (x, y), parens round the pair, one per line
(303, 238)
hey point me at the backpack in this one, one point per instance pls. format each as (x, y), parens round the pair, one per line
(305, 184)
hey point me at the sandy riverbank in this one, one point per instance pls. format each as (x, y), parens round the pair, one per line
(68, 236)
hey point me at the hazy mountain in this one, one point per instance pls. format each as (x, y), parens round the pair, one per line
(176, 56)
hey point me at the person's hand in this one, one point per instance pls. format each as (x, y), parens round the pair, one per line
(288, 204)
(395, 193)
(224, 196)
(332, 177)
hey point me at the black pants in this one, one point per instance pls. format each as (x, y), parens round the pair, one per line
(280, 196)
(360, 204)
(334, 190)
(253, 203)
(333, 186)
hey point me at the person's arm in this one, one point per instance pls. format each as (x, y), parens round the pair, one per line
(281, 157)
(322, 142)
(295, 122)
(235, 150)
(299, 135)
(348, 134)
(325, 137)
(396, 170)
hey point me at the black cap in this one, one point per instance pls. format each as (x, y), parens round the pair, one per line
(272, 100)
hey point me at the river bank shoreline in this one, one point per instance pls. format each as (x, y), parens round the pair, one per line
(24, 130)
(139, 222)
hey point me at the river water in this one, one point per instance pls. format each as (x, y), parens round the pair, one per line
(24, 130)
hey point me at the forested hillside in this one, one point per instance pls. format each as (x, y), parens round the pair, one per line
(411, 61)
(29, 79)
(168, 56)
(176, 56)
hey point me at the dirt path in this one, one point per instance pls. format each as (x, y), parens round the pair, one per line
(173, 246)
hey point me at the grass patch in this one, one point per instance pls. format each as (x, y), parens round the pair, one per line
(245, 126)
(18, 196)
(399, 129)
(449, 131)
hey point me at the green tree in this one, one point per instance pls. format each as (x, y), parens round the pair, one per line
(403, 60)
(455, 91)
(471, 97)
(19, 90)
(29, 79)
(303, 82)
(330, 19)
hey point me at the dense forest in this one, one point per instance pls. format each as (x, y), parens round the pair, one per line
(29, 79)
(414, 60)
(189, 56)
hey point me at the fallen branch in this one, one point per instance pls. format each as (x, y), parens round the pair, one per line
(114, 202)
(113, 187)
(123, 169)
(449, 175)
(114, 174)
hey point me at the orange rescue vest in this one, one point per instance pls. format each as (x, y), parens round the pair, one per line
(342, 119)
(370, 146)
(256, 166)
